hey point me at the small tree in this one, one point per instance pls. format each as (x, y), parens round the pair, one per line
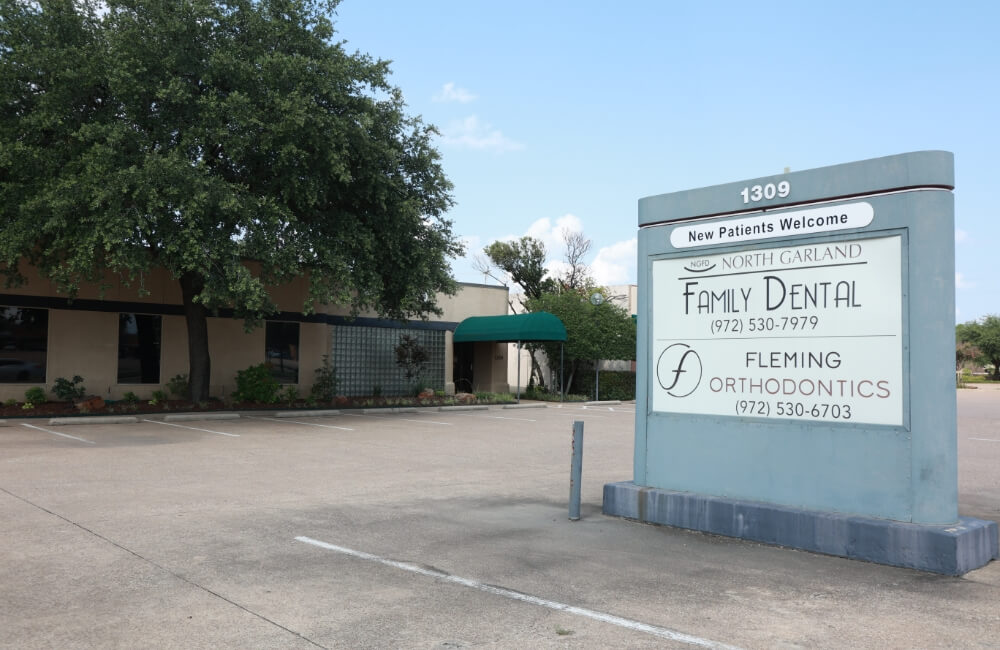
(576, 275)
(604, 331)
(411, 357)
(524, 261)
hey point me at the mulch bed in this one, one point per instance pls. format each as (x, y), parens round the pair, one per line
(120, 407)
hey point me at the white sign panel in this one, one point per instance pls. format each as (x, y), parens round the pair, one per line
(808, 332)
(768, 226)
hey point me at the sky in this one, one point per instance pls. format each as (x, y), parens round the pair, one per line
(556, 114)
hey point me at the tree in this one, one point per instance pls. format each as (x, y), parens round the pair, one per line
(984, 334)
(231, 142)
(604, 331)
(965, 353)
(524, 261)
(576, 275)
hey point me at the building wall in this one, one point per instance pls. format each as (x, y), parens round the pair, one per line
(490, 368)
(83, 334)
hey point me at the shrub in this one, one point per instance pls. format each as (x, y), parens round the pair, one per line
(324, 387)
(130, 398)
(34, 395)
(289, 395)
(495, 398)
(10, 402)
(158, 397)
(543, 395)
(255, 384)
(179, 386)
(615, 384)
(67, 390)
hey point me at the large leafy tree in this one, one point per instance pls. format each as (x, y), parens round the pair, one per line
(984, 334)
(232, 142)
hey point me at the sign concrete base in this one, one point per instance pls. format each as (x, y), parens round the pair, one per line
(951, 550)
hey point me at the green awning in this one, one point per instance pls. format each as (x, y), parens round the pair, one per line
(536, 326)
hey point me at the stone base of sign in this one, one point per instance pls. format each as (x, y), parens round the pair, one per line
(951, 550)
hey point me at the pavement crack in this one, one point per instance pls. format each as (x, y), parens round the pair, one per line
(163, 568)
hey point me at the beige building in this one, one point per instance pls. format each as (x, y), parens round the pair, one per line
(122, 342)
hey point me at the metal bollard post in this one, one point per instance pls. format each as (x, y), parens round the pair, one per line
(576, 471)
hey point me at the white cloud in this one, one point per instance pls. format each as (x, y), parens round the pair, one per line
(551, 233)
(473, 133)
(962, 283)
(960, 235)
(615, 264)
(452, 93)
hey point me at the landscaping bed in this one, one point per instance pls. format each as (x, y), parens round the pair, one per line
(148, 407)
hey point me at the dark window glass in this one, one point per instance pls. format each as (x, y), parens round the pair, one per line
(24, 338)
(139, 349)
(281, 344)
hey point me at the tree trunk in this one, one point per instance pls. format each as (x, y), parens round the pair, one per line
(536, 369)
(199, 362)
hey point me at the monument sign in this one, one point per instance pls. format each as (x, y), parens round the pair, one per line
(795, 382)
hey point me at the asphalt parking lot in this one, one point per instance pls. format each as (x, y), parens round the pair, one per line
(425, 530)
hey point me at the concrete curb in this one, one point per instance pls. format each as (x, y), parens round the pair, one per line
(525, 406)
(305, 414)
(188, 417)
(95, 419)
(465, 407)
(609, 402)
(405, 409)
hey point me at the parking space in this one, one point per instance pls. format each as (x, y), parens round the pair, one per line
(425, 529)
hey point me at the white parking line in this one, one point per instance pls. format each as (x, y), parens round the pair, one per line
(985, 439)
(308, 424)
(492, 417)
(181, 426)
(389, 417)
(56, 433)
(578, 413)
(630, 624)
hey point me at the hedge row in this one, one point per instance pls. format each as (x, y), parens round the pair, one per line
(614, 384)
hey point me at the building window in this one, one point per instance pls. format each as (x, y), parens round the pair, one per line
(139, 348)
(24, 337)
(281, 343)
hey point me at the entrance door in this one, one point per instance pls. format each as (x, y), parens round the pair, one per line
(462, 367)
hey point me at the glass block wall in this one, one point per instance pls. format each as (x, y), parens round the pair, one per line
(364, 359)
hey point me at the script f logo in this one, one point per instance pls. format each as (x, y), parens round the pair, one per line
(678, 370)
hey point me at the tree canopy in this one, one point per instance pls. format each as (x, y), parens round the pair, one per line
(984, 334)
(524, 261)
(203, 135)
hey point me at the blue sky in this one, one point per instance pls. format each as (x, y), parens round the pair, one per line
(560, 114)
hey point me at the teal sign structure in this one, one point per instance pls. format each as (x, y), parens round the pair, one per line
(796, 376)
